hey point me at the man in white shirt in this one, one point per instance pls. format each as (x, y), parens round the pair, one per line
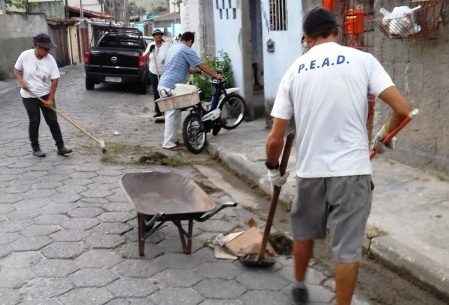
(158, 53)
(37, 74)
(325, 91)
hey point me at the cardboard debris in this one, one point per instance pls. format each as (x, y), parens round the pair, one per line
(248, 242)
(221, 253)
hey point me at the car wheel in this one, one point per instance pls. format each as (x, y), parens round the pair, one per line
(90, 85)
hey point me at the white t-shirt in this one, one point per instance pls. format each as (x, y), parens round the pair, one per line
(326, 90)
(157, 58)
(37, 73)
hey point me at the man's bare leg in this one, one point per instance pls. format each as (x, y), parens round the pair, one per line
(346, 280)
(302, 252)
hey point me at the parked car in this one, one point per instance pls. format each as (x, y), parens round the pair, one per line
(120, 56)
(148, 39)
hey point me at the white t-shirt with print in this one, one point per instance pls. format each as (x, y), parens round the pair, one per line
(326, 91)
(157, 58)
(37, 73)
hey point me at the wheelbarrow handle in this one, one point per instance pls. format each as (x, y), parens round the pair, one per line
(222, 206)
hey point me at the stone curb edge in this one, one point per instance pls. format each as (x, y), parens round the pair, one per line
(388, 250)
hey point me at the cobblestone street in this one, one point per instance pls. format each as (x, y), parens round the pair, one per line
(68, 233)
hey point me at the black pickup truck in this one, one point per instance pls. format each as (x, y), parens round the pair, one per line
(119, 56)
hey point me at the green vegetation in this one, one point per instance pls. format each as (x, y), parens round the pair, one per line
(221, 64)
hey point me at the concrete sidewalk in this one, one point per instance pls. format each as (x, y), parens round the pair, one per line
(7, 86)
(409, 222)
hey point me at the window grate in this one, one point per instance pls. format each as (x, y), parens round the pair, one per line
(278, 15)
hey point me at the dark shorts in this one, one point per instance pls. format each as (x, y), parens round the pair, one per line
(340, 205)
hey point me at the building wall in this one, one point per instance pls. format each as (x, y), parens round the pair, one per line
(228, 38)
(50, 9)
(16, 35)
(287, 48)
(420, 68)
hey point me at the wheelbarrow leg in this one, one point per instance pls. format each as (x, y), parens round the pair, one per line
(141, 233)
(189, 237)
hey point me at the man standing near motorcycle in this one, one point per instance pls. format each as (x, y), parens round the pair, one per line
(325, 91)
(181, 58)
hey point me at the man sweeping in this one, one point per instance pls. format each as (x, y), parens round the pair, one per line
(37, 74)
(325, 92)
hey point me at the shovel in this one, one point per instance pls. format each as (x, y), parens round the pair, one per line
(75, 124)
(259, 260)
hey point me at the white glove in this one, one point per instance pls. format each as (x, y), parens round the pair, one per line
(379, 146)
(275, 178)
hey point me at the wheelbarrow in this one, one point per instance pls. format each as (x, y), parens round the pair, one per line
(166, 196)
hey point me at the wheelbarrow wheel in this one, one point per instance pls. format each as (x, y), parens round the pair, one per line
(194, 134)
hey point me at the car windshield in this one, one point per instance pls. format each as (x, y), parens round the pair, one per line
(122, 41)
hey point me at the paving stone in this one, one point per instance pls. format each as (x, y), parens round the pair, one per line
(131, 250)
(30, 243)
(54, 268)
(220, 289)
(174, 278)
(218, 226)
(97, 193)
(77, 189)
(23, 215)
(262, 280)
(138, 268)
(9, 296)
(319, 294)
(31, 204)
(38, 194)
(5, 250)
(46, 185)
(80, 223)
(52, 213)
(78, 181)
(46, 288)
(132, 287)
(221, 270)
(105, 241)
(6, 238)
(14, 226)
(176, 296)
(66, 197)
(85, 212)
(223, 302)
(10, 198)
(6, 208)
(140, 301)
(63, 250)
(98, 259)
(83, 175)
(37, 230)
(118, 207)
(70, 235)
(179, 261)
(264, 297)
(17, 188)
(113, 227)
(116, 217)
(92, 277)
(39, 301)
(14, 277)
(86, 296)
(118, 302)
(110, 173)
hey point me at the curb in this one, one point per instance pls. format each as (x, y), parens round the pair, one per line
(391, 252)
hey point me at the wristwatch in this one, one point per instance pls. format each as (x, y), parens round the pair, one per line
(271, 165)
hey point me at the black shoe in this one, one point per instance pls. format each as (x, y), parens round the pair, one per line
(64, 151)
(159, 120)
(300, 295)
(158, 114)
(38, 153)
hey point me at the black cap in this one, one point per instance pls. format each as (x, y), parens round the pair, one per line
(157, 32)
(319, 21)
(42, 40)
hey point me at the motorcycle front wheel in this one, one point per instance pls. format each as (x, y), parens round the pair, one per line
(233, 111)
(194, 134)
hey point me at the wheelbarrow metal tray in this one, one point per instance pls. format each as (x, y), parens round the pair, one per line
(161, 196)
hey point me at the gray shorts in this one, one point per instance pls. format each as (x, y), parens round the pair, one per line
(338, 204)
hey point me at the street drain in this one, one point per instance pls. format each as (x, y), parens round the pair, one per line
(281, 243)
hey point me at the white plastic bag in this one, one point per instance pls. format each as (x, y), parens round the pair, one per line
(401, 21)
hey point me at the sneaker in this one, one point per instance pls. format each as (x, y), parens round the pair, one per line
(64, 151)
(38, 153)
(300, 295)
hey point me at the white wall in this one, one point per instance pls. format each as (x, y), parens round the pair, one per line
(287, 46)
(228, 38)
